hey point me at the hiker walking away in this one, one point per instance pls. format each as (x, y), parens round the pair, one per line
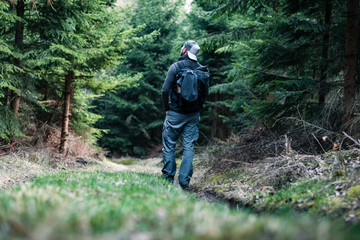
(187, 85)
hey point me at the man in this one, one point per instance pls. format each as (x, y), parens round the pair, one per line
(177, 122)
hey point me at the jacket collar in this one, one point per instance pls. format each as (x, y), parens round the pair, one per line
(185, 57)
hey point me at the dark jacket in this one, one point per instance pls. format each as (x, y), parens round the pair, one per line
(169, 87)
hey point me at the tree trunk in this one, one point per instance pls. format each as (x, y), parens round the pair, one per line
(72, 96)
(351, 48)
(276, 5)
(215, 117)
(19, 43)
(66, 112)
(325, 55)
(15, 102)
(8, 96)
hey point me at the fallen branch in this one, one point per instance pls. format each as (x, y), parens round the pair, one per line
(318, 142)
(352, 139)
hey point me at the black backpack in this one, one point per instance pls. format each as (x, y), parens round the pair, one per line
(192, 87)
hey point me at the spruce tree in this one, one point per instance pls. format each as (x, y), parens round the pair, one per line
(16, 77)
(215, 114)
(286, 62)
(134, 116)
(77, 41)
(351, 64)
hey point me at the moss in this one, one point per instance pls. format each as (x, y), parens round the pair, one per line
(228, 180)
(355, 213)
(354, 192)
(217, 178)
(336, 202)
(127, 162)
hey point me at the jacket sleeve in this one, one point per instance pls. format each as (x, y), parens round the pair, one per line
(168, 83)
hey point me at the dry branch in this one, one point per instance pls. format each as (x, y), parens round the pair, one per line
(352, 139)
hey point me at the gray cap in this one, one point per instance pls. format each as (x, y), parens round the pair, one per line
(192, 49)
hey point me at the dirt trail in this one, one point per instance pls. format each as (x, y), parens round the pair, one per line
(231, 187)
(154, 165)
(17, 168)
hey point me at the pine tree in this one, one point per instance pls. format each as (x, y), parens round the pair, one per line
(17, 27)
(6, 49)
(16, 81)
(351, 65)
(286, 61)
(215, 115)
(77, 41)
(134, 117)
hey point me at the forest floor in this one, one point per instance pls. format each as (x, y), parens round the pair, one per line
(45, 196)
(309, 184)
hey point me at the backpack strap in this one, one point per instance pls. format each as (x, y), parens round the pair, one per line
(182, 64)
(179, 66)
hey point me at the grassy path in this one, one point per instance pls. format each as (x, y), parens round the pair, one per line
(128, 205)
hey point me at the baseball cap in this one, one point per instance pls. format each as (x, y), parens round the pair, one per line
(192, 49)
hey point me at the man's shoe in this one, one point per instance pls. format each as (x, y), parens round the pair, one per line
(168, 178)
(185, 187)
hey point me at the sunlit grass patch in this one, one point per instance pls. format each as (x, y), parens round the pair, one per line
(125, 161)
(319, 197)
(305, 194)
(126, 205)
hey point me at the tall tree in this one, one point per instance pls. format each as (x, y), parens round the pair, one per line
(351, 65)
(20, 7)
(15, 80)
(325, 53)
(6, 50)
(19, 42)
(134, 116)
(277, 63)
(78, 40)
(215, 114)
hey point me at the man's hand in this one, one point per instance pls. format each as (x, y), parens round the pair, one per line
(166, 112)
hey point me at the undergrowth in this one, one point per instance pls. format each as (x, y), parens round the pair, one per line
(305, 194)
(323, 184)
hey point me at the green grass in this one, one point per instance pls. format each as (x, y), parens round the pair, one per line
(315, 196)
(125, 205)
(306, 194)
(127, 161)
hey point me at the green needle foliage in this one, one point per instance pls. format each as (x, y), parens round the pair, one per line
(134, 116)
(273, 63)
(12, 78)
(7, 68)
(216, 116)
(285, 57)
(66, 36)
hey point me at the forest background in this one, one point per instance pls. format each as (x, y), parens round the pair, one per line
(94, 70)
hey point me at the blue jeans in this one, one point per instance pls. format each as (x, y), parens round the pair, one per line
(186, 126)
